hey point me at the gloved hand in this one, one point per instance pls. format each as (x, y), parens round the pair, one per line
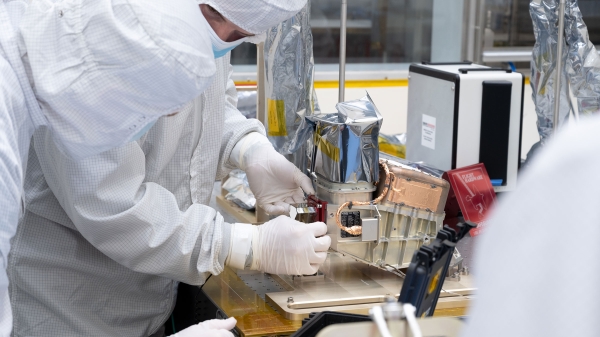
(275, 181)
(213, 327)
(280, 246)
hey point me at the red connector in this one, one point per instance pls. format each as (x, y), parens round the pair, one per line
(320, 207)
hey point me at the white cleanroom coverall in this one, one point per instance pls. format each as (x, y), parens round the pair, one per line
(256, 16)
(93, 72)
(537, 265)
(104, 240)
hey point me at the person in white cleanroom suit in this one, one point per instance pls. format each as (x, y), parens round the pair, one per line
(105, 240)
(95, 74)
(537, 269)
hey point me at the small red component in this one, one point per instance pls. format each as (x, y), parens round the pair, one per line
(320, 207)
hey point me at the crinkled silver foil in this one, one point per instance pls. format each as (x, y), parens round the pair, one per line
(583, 62)
(289, 68)
(345, 148)
(544, 15)
(247, 103)
(419, 166)
(239, 190)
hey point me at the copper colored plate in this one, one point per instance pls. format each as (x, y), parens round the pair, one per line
(417, 189)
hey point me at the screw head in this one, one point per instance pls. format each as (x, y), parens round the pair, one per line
(290, 300)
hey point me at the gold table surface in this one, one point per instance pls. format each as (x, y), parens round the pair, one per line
(256, 317)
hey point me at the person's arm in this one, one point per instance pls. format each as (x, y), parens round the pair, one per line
(15, 134)
(236, 126)
(136, 223)
(274, 180)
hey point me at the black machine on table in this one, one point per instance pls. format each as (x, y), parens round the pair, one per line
(428, 268)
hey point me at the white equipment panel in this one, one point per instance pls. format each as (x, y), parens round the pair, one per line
(461, 114)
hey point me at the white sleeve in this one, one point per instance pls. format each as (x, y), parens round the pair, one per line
(15, 134)
(138, 224)
(244, 145)
(236, 127)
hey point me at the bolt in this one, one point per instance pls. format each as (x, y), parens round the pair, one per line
(433, 186)
(290, 300)
(60, 14)
(331, 215)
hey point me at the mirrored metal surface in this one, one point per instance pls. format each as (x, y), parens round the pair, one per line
(345, 146)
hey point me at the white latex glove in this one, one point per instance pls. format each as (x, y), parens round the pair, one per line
(275, 182)
(280, 246)
(213, 327)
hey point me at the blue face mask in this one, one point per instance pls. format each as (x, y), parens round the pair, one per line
(220, 53)
(142, 131)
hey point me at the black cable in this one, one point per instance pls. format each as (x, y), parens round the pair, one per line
(208, 278)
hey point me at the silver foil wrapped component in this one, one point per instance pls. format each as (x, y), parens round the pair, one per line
(583, 62)
(289, 81)
(544, 15)
(344, 147)
(247, 103)
(419, 166)
(239, 190)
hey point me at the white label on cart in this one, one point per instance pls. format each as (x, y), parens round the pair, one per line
(428, 132)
